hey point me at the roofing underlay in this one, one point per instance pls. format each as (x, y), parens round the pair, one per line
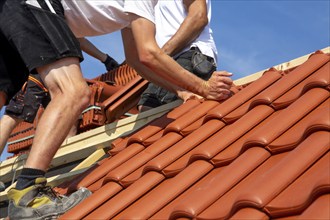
(261, 154)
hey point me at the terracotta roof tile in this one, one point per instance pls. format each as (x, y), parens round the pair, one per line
(269, 179)
(244, 96)
(190, 117)
(249, 214)
(318, 119)
(111, 164)
(320, 78)
(118, 145)
(120, 76)
(143, 157)
(288, 117)
(159, 124)
(21, 138)
(261, 154)
(288, 81)
(219, 181)
(298, 196)
(169, 189)
(319, 209)
(95, 200)
(125, 99)
(125, 198)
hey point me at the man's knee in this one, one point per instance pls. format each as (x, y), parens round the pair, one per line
(64, 79)
(77, 93)
(83, 95)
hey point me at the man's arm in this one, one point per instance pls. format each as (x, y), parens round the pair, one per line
(143, 31)
(132, 58)
(190, 28)
(93, 51)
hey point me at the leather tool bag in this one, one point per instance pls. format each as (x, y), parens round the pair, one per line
(203, 65)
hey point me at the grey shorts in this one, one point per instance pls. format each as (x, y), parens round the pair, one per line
(36, 35)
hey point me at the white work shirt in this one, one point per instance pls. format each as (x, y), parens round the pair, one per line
(142, 8)
(98, 17)
(169, 14)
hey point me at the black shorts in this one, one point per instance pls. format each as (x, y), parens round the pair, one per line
(25, 104)
(11, 63)
(36, 35)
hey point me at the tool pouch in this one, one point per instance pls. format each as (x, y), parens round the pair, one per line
(203, 66)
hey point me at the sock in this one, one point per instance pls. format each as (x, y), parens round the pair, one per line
(27, 177)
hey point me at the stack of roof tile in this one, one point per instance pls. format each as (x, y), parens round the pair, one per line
(261, 154)
(112, 95)
(21, 137)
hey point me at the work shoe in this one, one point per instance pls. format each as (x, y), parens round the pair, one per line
(41, 202)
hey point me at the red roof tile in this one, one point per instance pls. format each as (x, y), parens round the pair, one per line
(262, 154)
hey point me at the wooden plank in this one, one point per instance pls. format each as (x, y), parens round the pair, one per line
(92, 159)
(80, 168)
(56, 180)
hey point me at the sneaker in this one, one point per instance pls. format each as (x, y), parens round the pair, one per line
(41, 202)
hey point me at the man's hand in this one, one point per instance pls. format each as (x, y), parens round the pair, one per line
(110, 63)
(218, 86)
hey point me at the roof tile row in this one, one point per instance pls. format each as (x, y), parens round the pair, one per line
(262, 154)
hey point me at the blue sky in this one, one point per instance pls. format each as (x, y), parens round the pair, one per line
(250, 35)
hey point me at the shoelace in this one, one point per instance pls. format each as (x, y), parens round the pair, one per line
(47, 190)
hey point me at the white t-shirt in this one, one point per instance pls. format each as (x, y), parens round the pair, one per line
(142, 8)
(98, 17)
(169, 14)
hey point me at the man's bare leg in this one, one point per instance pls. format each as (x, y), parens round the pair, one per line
(73, 130)
(7, 125)
(70, 95)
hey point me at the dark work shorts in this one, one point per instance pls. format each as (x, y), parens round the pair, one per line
(11, 63)
(25, 104)
(155, 95)
(36, 35)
